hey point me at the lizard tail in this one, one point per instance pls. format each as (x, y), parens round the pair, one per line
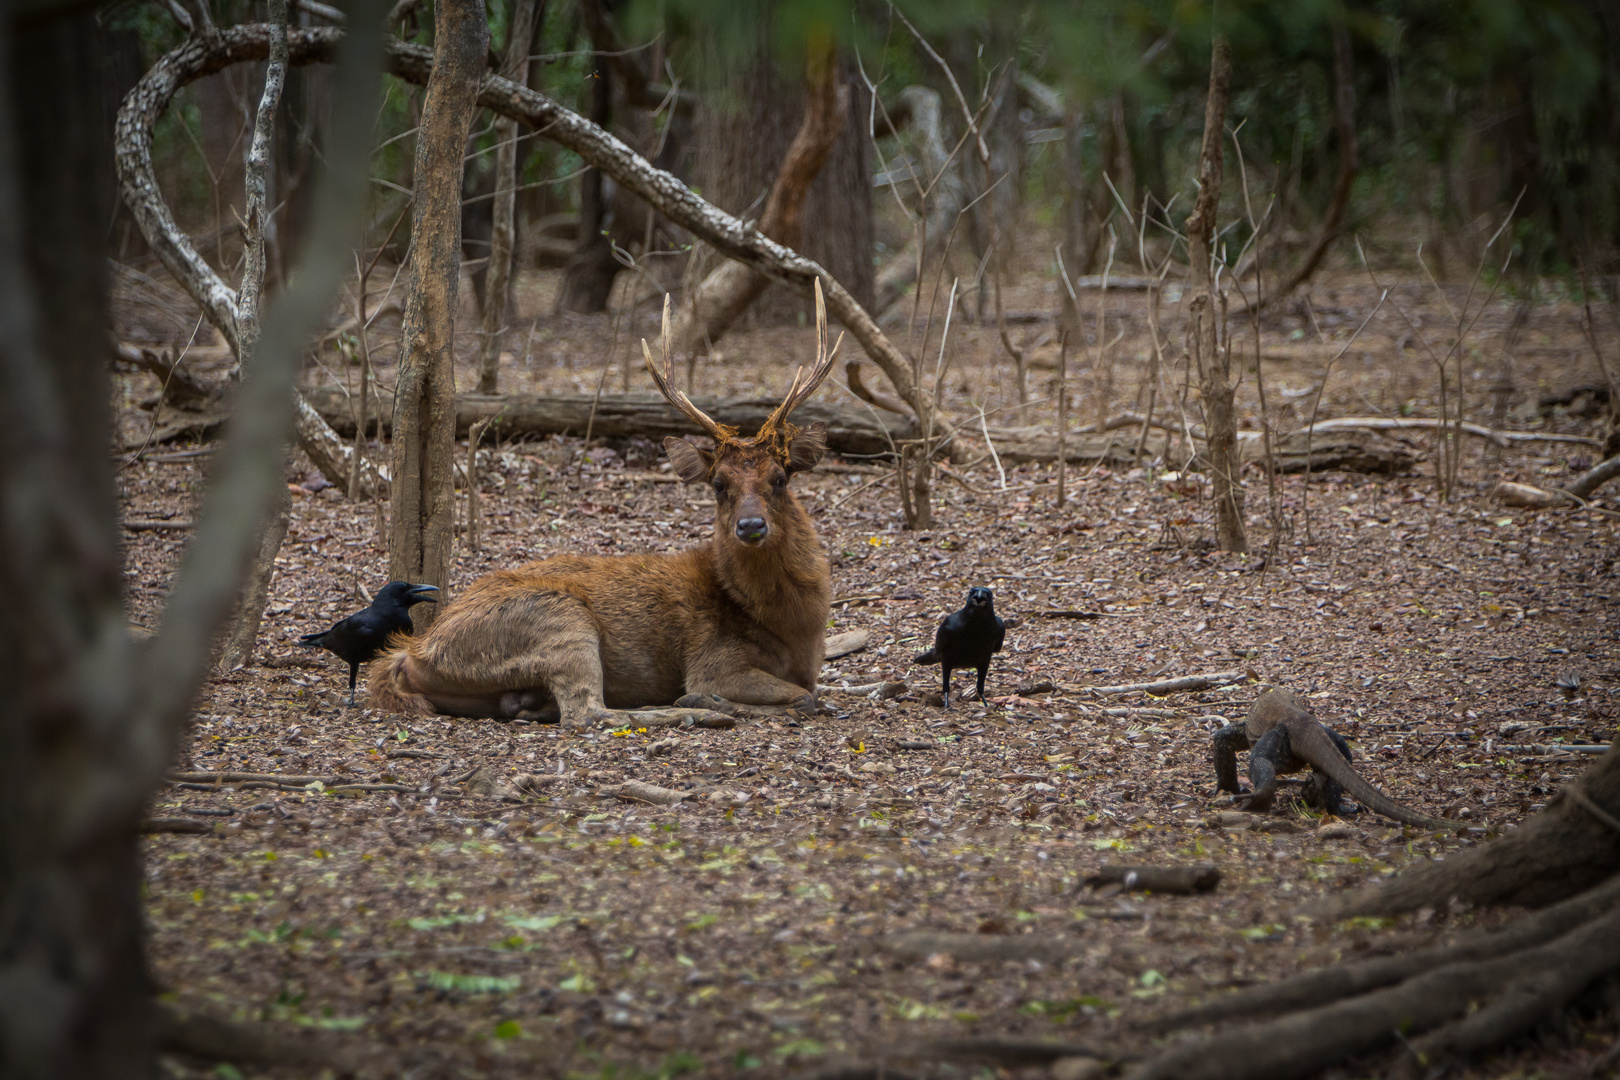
(1317, 748)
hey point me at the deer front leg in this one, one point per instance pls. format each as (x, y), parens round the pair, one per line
(751, 686)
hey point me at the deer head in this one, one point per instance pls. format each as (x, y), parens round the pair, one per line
(749, 475)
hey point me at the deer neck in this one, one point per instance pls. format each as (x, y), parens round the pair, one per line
(784, 582)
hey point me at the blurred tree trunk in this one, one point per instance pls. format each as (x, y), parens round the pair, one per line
(520, 24)
(74, 990)
(422, 505)
(588, 278)
(742, 133)
(1211, 355)
(726, 292)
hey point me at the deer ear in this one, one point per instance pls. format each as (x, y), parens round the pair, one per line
(807, 447)
(691, 464)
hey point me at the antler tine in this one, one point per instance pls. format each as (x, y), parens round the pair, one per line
(803, 386)
(665, 379)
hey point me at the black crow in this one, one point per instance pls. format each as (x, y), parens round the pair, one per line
(363, 635)
(967, 638)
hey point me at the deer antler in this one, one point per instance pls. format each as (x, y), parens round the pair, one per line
(719, 432)
(804, 386)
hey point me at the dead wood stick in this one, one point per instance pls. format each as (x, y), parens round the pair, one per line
(156, 524)
(663, 718)
(978, 948)
(1345, 980)
(886, 689)
(233, 777)
(641, 791)
(1172, 686)
(473, 436)
(1181, 880)
(843, 644)
(1398, 423)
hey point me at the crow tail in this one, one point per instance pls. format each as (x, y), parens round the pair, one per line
(929, 657)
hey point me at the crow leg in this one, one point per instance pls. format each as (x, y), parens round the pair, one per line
(354, 673)
(946, 693)
(982, 673)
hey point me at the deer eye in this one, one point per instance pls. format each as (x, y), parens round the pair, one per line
(779, 481)
(719, 489)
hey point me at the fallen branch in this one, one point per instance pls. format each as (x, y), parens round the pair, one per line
(1172, 686)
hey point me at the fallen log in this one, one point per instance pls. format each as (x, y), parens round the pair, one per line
(1342, 450)
(1354, 451)
(618, 416)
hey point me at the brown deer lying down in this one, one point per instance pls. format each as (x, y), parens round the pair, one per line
(577, 636)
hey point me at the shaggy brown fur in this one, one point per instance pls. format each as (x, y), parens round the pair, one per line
(574, 637)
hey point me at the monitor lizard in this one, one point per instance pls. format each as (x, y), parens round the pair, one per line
(1283, 736)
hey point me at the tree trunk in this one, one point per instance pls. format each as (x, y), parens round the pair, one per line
(422, 505)
(87, 720)
(726, 293)
(1345, 118)
(920, 108)
(1212, 359)
(75, 986)
(743, 131)
(503, 233)
(588, 278)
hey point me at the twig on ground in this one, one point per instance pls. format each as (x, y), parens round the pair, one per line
(1173, 686)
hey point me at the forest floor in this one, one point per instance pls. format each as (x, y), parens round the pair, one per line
(457, 926)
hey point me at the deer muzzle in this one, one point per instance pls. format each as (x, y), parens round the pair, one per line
(751, 527)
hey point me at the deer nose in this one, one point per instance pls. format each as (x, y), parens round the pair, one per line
(751, 530)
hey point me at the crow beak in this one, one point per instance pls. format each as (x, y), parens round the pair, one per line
(421, 592)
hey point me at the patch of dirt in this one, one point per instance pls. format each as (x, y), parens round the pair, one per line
(560, 931)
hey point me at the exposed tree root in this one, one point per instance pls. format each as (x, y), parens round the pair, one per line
(1527, 985)
(1341, 981)
(213, 1039)
(1557, 853)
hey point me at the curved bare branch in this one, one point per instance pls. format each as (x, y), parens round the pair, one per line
(414, 63)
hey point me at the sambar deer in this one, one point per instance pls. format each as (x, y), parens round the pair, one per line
(576, 637)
